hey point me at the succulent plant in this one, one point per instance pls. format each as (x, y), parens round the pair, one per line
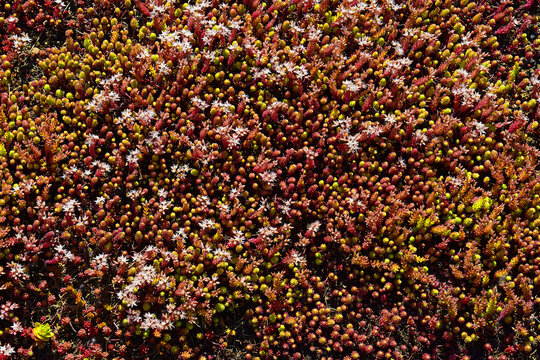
(42, 332)
(269, 180)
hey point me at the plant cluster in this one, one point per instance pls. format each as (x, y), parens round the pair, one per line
(269, 180)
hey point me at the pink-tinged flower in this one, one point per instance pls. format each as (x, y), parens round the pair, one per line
(268, 177)
(478, 129)
(16, 327)
(163, 68)
(469, 97)
(390, 118)
(6, 351)
(145, 117)
(6, 308)
(20, 41)
(206, 224)
(353, 143)
(17, 271)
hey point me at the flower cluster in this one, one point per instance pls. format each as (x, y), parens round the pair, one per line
(333, 179)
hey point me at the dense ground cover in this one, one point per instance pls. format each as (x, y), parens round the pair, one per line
(282, 180)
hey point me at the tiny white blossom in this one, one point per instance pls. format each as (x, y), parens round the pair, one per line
(133, 156)
(16, 327)
(353, 144)
(164, 205)
(163, 68)
(70, 206)
(268, 177)
(421, 137)
(20, 41)
(7, 350)
(134, 194)
(207, 224)
(162, 193)
(351, 86)
(100, 200)
(121, 260)
(478, 128)
(390, 118)
(180, 235)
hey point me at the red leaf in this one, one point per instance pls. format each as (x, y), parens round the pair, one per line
(142, 7)
(505, 29)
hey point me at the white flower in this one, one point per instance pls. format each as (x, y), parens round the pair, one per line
(90, 138)
(297, 258)
(241, 131)
(69, 256)
(398, 48)
(133, 156)
(17, 271)
(267, 231)
(134, 194)
(111, 80)
(180, 235)
(234, 193)
(478, 128)
(468, 96)
(225, 208)
(351, 86)
(20, 41)
(260, 73)
(199, 103)
(164, 205)
(233, 142)
(353, 144)
(169, 37)
(101, 261)
(268, 177)
(133, 316)
(222, 255)
(100, 100)
(363, 41)
(456, 182)
(60, 248)
(7, 350)
(238, 236)
(150, 322)
(162, 193)
(390, 118)
(146, 116)
(344, 124)
(70, 205)
(314, 226)
(143, 54)
(373, 130)
(163, 68)
(157, 10)
(462, 73)
(186, 33)
(100, 200)
(204, 200)
(421, 137)
(207, 223)
(122, 260)
(467, 41)
(235, 24)
(314, 33)
(16, 327)
(299, 49)
(180, 170)
(6, 308)
(355, 203)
